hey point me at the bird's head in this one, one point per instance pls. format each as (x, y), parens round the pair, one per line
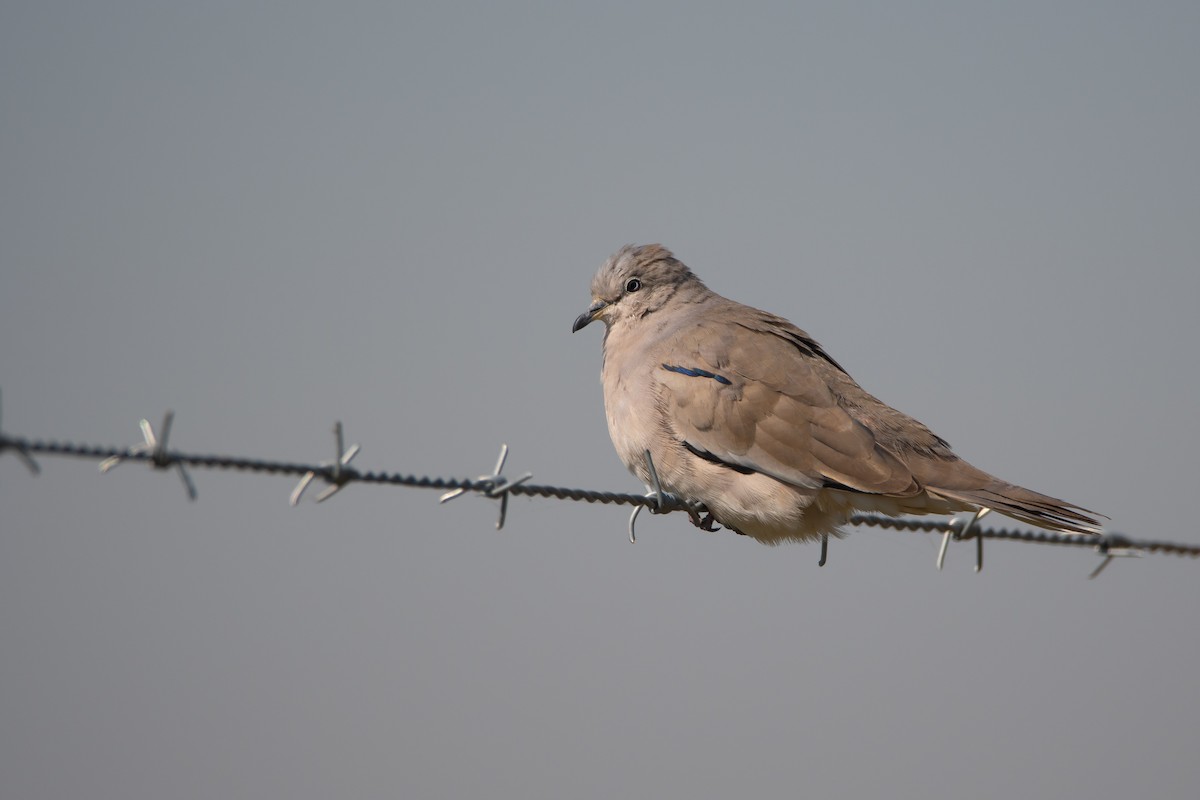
(635, 281)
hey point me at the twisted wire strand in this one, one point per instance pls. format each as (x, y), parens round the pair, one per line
(496, 485)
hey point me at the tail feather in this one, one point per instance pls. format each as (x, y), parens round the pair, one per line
(1026, 505)
(957, 481)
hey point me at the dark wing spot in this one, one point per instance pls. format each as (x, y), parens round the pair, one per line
(710, 458)
(697, 373)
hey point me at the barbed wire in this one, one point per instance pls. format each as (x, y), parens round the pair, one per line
(337, 474)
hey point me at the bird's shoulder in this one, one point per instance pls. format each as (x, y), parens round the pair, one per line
(752, 345)
(748, 390)
(756, 349)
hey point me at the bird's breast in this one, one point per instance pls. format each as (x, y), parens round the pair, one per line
(632, 422)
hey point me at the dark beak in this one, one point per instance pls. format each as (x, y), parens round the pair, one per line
(588, 316)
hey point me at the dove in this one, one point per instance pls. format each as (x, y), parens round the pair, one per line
(746, 413)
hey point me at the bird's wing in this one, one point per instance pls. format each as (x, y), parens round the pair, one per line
(753, 392)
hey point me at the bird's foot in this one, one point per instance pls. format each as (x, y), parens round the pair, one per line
(705, 523)
(666, 502)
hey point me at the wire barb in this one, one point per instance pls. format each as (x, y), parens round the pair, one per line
(18, 447)
(656, 496)
(964, 532)
(1114, 547)
(333, 472)
(338, 473)
(660, 502)
(154, 449)
(494, 486)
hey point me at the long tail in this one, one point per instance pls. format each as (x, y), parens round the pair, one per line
(958, 481)
(1026, 505)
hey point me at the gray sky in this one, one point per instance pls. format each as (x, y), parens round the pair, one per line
(270, 216)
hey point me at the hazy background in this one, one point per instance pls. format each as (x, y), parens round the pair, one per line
(268, 216)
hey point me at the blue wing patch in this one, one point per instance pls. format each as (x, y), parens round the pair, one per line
(698, 373)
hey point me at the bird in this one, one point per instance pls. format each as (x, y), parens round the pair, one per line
(744, 412)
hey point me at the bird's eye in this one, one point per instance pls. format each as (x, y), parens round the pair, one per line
(632, 285)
